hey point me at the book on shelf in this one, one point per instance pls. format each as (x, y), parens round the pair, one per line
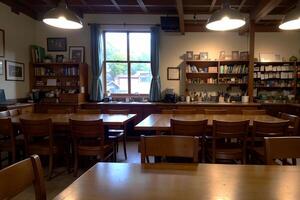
(37, 54)
(233, 69)
(274, 75)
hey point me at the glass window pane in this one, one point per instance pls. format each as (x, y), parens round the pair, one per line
(140, 46)
(116, 46)
(140, 78)
(117, 78)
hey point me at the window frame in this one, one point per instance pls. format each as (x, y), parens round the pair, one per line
(128, 62)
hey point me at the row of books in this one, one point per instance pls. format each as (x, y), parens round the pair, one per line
(43, 71)
(274, 83)
(66, 71)
(272, 68)
(194, 69)
(55, 82)
(203, 81)
(70, 71)
(228, 80)
(274, 75)
(37, 54)
(233, 69)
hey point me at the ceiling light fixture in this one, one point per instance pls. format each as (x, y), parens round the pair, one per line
(62, 17)
(291, 21)
(225, 19)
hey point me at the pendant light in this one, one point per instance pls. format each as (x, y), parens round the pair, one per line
(225, 19)
(292, 20)
(62, 17)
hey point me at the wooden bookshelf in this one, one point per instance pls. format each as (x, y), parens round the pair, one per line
(69, 81)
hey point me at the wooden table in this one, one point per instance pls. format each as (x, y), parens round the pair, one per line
(161, 122)
(120, 181)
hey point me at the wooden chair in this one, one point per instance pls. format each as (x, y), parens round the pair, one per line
(229, 140)
(265, 129)
(294, 123)
(88, 111)
(281, 148)
(215, 112)
(171, 146)
(38, 137)
(191, 128)
(59, 111)
(179, 111)
(89, 140)
(254, 112)
(17, 177)
(117, 133)
(4, 113)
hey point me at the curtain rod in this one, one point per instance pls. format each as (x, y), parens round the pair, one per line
(125, 24)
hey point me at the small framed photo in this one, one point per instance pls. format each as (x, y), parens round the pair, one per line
(57, 44)
(222, 55)
(173, 73)
(2, 43)
(203, 55)
(196, 56)
(244, 55)
(189, 55)
(14, 71)
(59, 58)
(1, 67)
(77, 54)
(235, 55)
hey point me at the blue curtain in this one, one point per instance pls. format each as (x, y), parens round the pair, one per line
(155, 93)
(97, 62)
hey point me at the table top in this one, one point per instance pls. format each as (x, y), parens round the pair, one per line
(63, 119)
(122, 181)
(161, 122)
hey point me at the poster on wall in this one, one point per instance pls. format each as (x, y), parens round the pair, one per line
(2, 43)
(57, 44)
(76, 54)
(1, 67)
(14, 71)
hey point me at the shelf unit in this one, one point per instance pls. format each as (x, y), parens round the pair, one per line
(70, 79)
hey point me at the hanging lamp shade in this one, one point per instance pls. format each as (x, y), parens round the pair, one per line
(62, 17)
(225, 19)
(292, 20)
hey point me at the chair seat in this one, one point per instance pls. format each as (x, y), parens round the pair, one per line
(94, 150)
(5, 145)
(114, 133)
(259, 152)
(42, 148)
(227, 153)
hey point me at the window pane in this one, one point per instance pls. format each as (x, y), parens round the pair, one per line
(116, 46)
(117, 77)
(139, 46)
(140, 78)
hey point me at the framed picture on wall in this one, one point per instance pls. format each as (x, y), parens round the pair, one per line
(14, 71)
(203, 55)
(77, 54)
(2, 43)
(244, 55)
(1, 67)
(173, 73)
(189, 55)
(235, 55)
(57, 44)
(222, 55)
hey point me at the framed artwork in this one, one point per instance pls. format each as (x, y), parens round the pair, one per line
(77, 54)
(173, 73)
(57, 44)
(59, 58)
(203, 55)
(1, 67)
(235, 55)
(189, 55)
(14, 71)
(222, 55)
(2, 43)
(244, 55)
(196, 56)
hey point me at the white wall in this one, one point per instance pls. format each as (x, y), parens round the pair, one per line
(19, 34)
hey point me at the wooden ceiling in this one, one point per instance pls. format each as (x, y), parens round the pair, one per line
(263, 12)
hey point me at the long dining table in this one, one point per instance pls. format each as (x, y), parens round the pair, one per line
(161, 122)
(123, 181)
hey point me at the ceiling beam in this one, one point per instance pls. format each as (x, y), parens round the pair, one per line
(212, 5)
(142, 5)
(263, 9)
(116, 5)
(180, 12)
(17, 7)
(242, 4)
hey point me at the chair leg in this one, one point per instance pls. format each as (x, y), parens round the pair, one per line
(75, 165)
(50, 166)
(124, 146)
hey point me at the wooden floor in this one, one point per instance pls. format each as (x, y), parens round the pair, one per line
(61, 181)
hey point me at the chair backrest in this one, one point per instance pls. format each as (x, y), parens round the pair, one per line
(172, 146)
(88, 111)
(269, 129)
(33, 128)
(281, 148)
(87, 129)
(254, 112)
(6, 128)
(4, 113)
(59, 111)
(230, 129)
(188, 128)
(294, 122)
(17, 177)
(215, 111)
(179, 111)
(119, 111)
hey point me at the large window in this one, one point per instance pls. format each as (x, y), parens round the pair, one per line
(128, 62)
